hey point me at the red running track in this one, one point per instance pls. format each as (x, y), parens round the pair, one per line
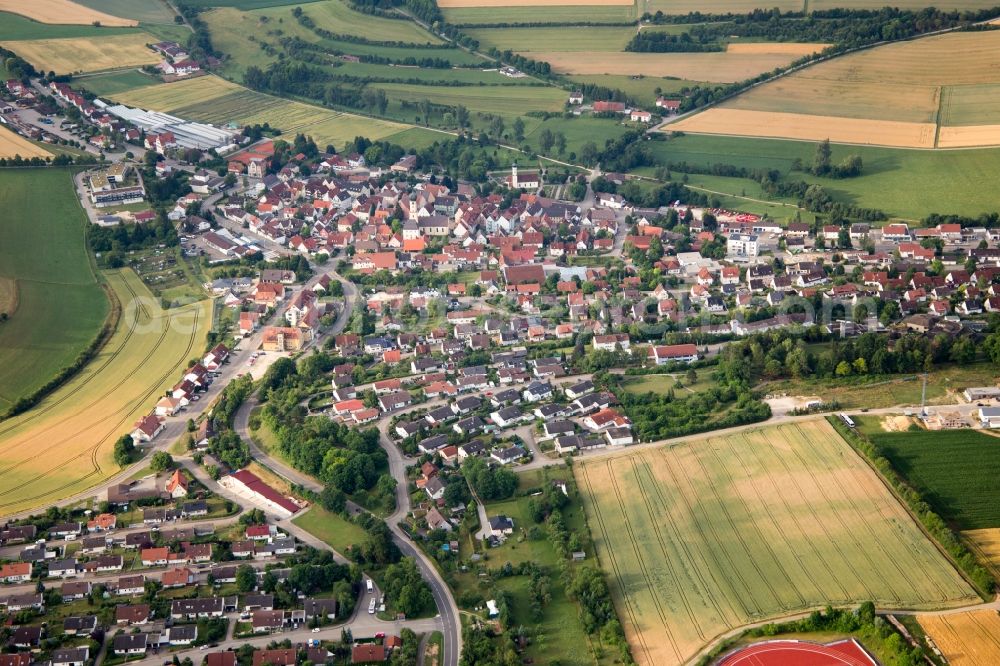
(799, 653)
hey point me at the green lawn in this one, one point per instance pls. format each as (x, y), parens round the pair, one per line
(540, 14)
(661, 384)
(15, 26)
(575, 38)
(905, 183)
(506, 100)
(578, 131)
(330, 528)
(954, 471)
(640, 88)
(61, 306)
(144, 11)
(117, 82)
(417, 138)
(874, 392)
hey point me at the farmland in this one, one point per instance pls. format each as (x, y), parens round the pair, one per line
(211, 99)
(717, 533)
(907, 183)
(952, 470)
(936, 83)
(86, 54)
(12, 144)
(117, 82)
(64, 444)
(717, 67)
(966, 639)
(447, 4)
(44, 250)
(144, 11)
(540, 13)
(585, 38)
(985, 543)
(17, 27)
(62, 11)
(741, 122)
(506, 100)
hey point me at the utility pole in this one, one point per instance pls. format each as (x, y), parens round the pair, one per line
(923, 398)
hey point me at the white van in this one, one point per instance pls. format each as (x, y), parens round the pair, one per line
(371, 607)
(368, 585)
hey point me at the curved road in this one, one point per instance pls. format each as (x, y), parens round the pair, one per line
(447, 608)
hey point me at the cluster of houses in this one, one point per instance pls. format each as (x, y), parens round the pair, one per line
(195, 380)
(256, 299)
(176, 59)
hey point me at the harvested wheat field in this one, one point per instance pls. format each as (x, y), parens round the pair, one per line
(64, 445)
(985, 543)
(716, 533)
(783, 48)
(966, 639)
(969, 136)
(739, 122)
(62, 11)
(945, 80)
(12, 144)
(455, 4)
(714, 67)
(86, 54)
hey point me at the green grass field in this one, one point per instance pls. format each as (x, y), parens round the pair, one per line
(247, 5)
(330, 528)
(874, 392)
(641, 88)
(540, 14)
(578, 131)
(710, 535)
(953, 470)
(61, 306)
(970, 105)
(904, 183)
(144, 11)
(17, 27)
(64, 445)
(577, 38)
(115, 83)
(505, 100)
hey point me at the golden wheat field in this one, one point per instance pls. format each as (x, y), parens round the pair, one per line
(12, 144)
(86, 54)
(64, 445)
(940, 91)
(716, 533)
(783, 48)
(715, 67)
(61, 11)
(739, 122)
(985, 543)
(455, 4)
(966, 639)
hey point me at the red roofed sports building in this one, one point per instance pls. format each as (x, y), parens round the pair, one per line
(663, 354)
(248, 485)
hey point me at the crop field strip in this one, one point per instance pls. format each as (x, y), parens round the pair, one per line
(44, 249)
(12, 144)
(716, 67)
(62, 11)
(985, 544)
(25, 479)
(945, 93)
(726, 531)
(965, 639)
(144, 11)
(86, 54)
(211, 99)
